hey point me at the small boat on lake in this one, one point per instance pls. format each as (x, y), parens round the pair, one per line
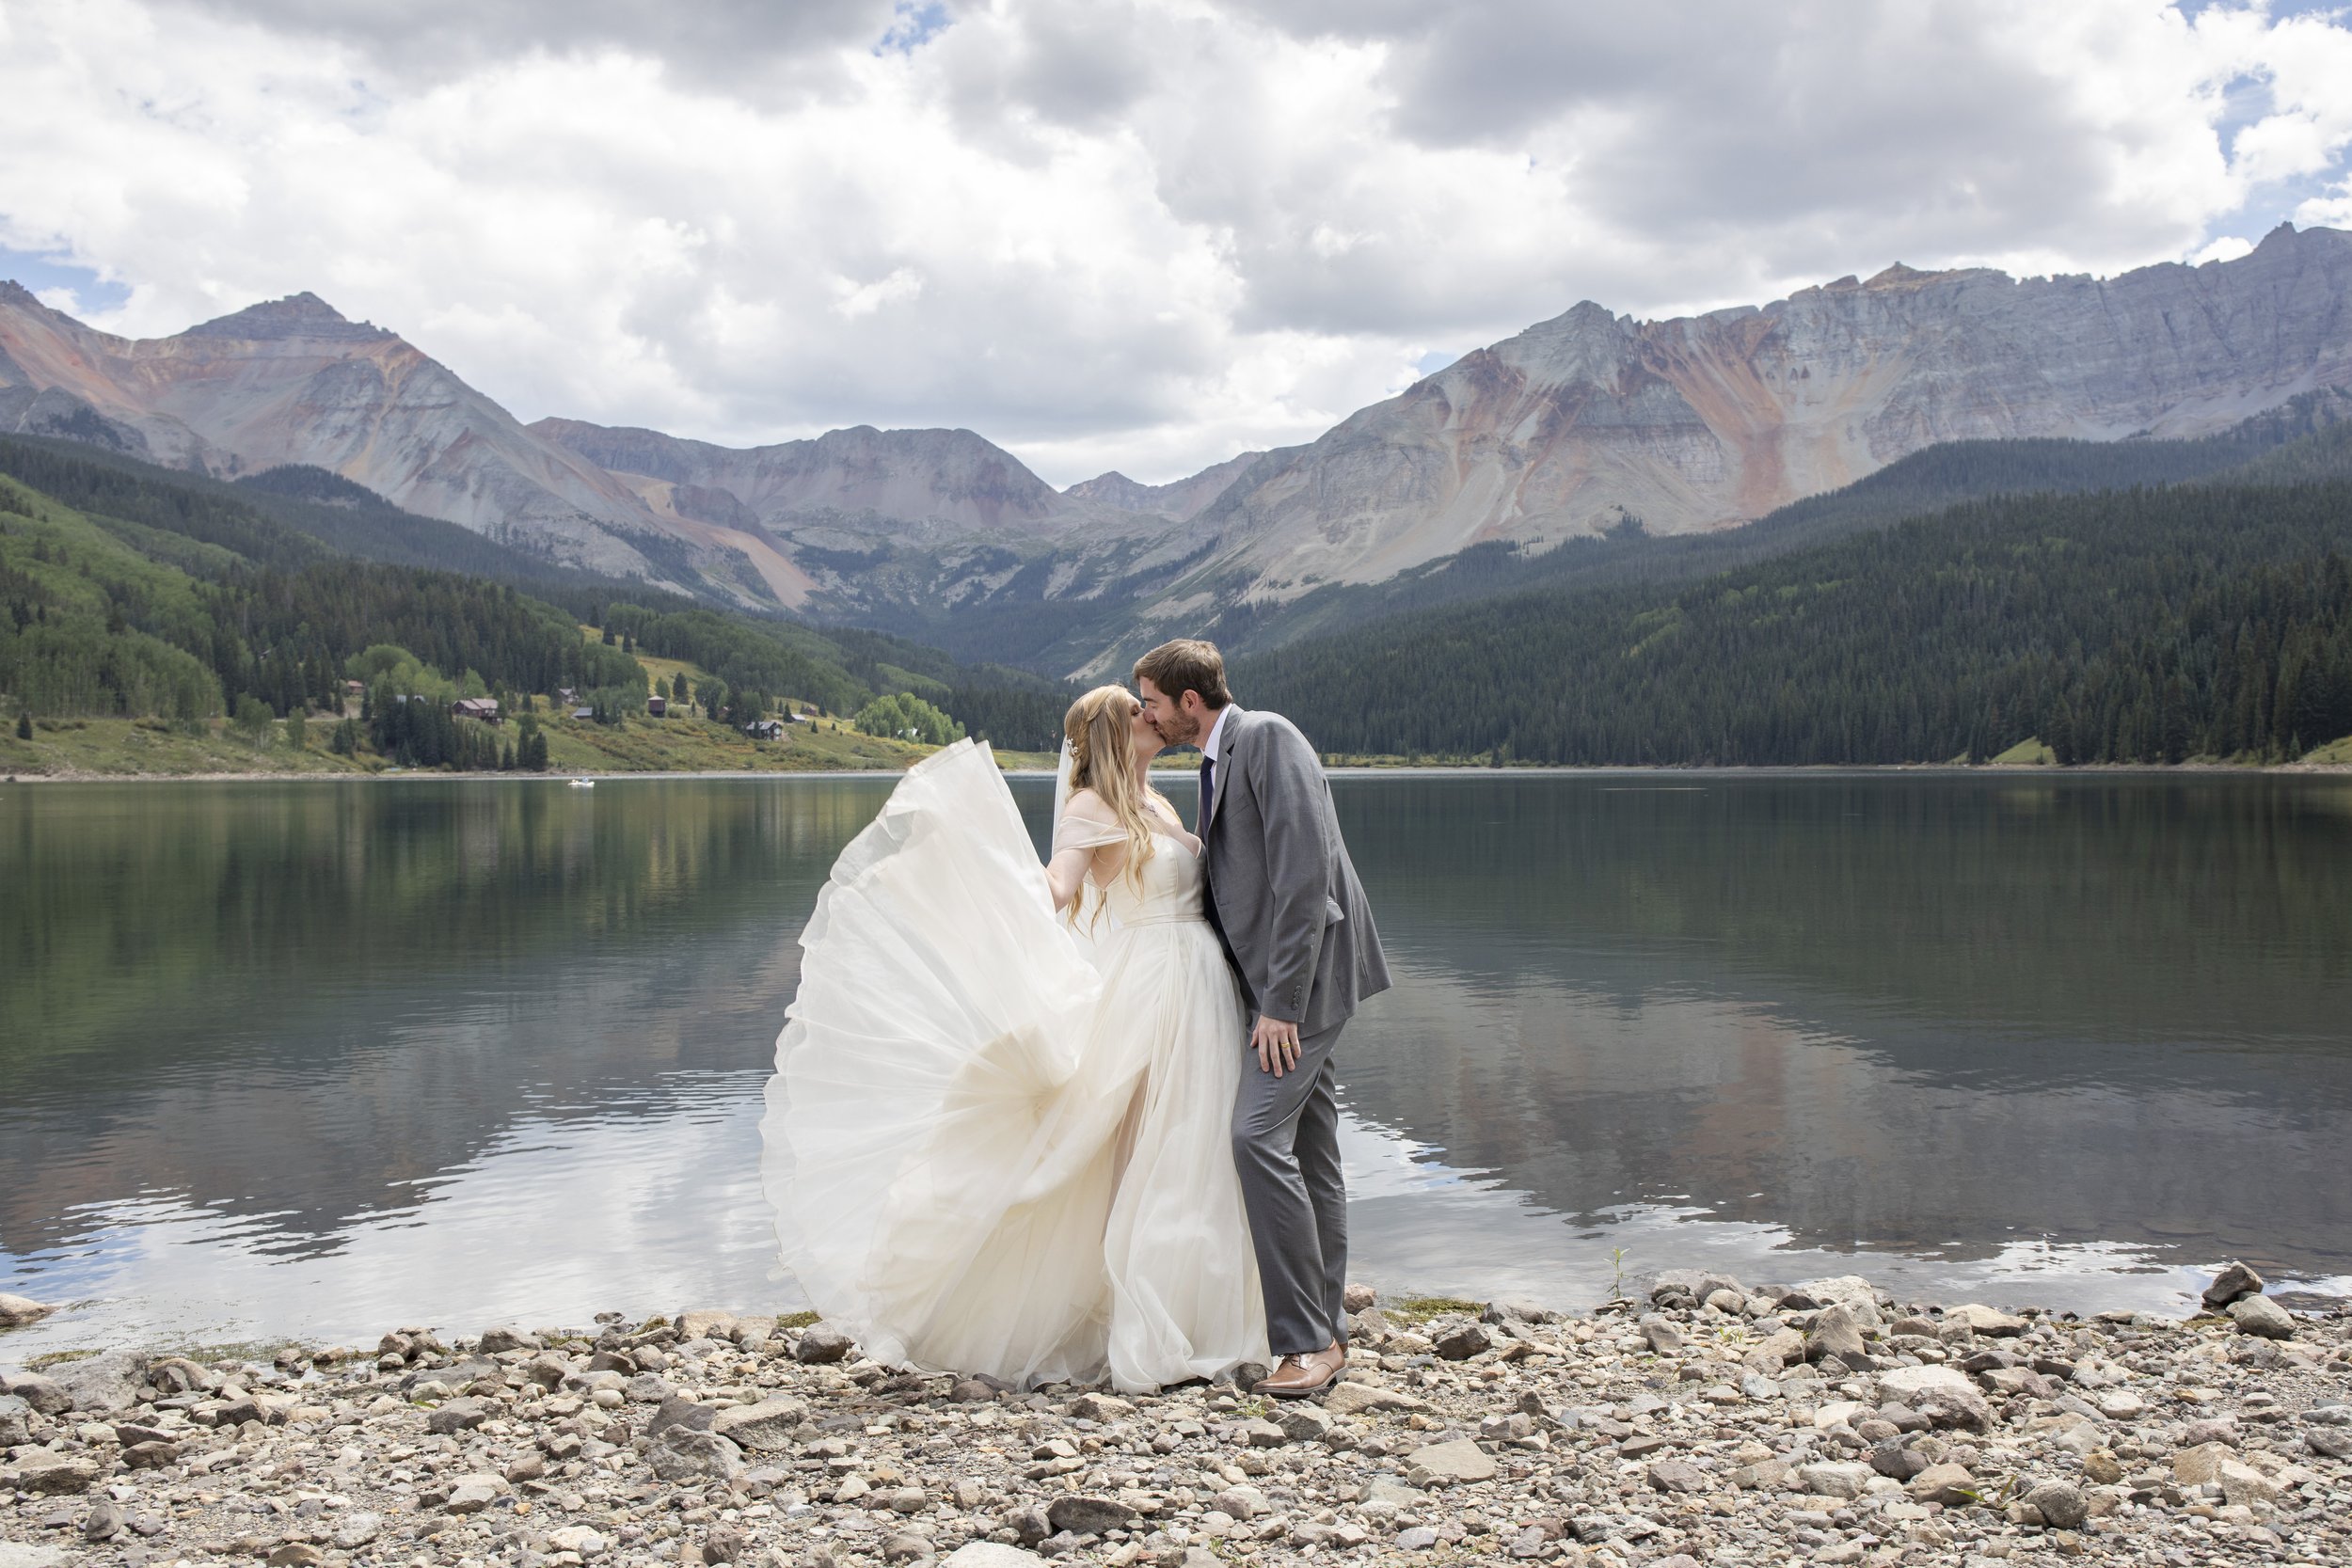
(584, 784)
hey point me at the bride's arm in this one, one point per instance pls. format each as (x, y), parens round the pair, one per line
(1066, 873)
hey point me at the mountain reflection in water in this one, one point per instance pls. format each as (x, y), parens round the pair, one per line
(314, 1058)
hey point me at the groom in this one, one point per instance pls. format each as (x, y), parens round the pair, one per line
(1285, 902)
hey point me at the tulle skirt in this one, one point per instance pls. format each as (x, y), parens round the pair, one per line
(995, 1144)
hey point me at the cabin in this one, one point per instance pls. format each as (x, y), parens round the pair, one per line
(483, 708)
(764, 729)
(657, 707)
(801, 718)
(583, 713)
(566, 694)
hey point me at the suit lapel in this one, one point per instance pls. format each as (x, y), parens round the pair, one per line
(1229, 736)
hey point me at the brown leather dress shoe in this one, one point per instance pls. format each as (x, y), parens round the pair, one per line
(1301, 1376)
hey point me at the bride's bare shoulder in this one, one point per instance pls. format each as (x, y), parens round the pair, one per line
(1085, 803)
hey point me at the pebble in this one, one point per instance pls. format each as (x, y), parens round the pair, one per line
(1684, 1427)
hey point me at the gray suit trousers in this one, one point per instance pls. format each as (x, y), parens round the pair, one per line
(1286, 1145)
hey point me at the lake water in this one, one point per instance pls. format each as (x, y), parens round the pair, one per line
(319, 1059)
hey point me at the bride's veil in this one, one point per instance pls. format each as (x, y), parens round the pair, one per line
(1061, 794)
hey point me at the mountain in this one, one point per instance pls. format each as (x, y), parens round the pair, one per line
(1702, 422)
(913, 530)
(2206, 619)
(1178, 501)
(294, 382)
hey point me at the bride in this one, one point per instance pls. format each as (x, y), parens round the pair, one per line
(998, 1138)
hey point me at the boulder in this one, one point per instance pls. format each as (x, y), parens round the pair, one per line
(1677, 1474)
(1837, 1331)
(821, 1344)
(355, 1530)
(44, 1394)
(43, 1471)
(1783, 1347)
(1834, 1478)
(497, 1341)
(1943, 1396)
(1847, 1290)
(989, 1554)
(679, 1411)
(1663, 1336)
(1101, 1407)
(2200, 1465)
(1302, 1422)
(679, 1455)
(16, 1422)
(2230, 1284)
(1460, 1344)
(1354, 1398)
(1081, 1514)
(2061, 1503)
(1359, 1298)
(766, 1427)
(459, 1415)
(16, 1311)
(705, 1323)
(2261, 1317)
(103, 1384)
(1949, 1484)
(1986, 1320)
(1459, 1460)
(582, 1539)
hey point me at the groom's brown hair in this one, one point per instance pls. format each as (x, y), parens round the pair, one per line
(1188, 664)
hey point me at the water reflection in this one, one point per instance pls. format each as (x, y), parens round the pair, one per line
(318, 1057)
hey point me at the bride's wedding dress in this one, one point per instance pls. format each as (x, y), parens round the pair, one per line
(999, 1144)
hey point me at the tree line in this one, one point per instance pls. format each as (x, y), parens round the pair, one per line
(2142, 625)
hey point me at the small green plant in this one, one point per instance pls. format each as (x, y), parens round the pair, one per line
(796, 1319)
(57, 1358)
(1256, 1407)
(1616, 1262)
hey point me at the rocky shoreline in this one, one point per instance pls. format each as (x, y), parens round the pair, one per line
(1705, 1421)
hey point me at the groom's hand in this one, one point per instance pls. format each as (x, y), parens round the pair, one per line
(1276, 1044)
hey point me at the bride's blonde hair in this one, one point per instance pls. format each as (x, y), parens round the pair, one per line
(1103, 759)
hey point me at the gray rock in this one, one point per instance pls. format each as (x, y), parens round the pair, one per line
(766, 1427)
(1241, 1502)
(679, 1455)
(44, 1394)
(1263, 1435)
(153, 1454)
(1081, 1514)
(990, 1554)
(496, 1342)
(2261, 1317)
(1302, 1422)
(904, 1546)
(1767, 1475)
(1359, 1298)
(1942, 1395)
(1677, 1474)
(647, 1388)
(1356, 1399)
(1460, 1344)
(459, 1415)
(1663, 1336)
(1517, 1311)
(1387, 1489)
(1783, 1347)
(1459, 1460)
(821, 1344)
(106, 1383)
(2230, 1285)
(1420, 1538)
(2063, 1504)
(16, 1553)
(44, 1470)
(2329, 1442)
(355, 1530)
(1101, 1407)
(16, 1311)
(679, 1411)
(1986, 1320)
(105, 1522)
(1949, 1484)
(1851, 1291)
(1837, 1331)
(1834, 1478)
(16, 1422)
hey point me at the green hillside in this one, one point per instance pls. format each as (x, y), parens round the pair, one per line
(2210, 620)
(140, 609)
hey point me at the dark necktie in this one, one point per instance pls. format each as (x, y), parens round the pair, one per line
(1208, 790)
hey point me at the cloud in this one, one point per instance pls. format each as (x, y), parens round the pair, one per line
(1111, 233)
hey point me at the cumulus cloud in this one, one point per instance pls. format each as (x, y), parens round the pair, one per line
(1130, 233)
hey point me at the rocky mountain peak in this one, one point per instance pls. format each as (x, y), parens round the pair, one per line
(297, 316)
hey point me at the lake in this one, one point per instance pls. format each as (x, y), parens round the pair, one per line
(321, 1059)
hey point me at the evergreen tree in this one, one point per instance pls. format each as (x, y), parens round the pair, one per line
(25, 726)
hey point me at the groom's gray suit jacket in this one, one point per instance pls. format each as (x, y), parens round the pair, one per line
(1283, 893)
